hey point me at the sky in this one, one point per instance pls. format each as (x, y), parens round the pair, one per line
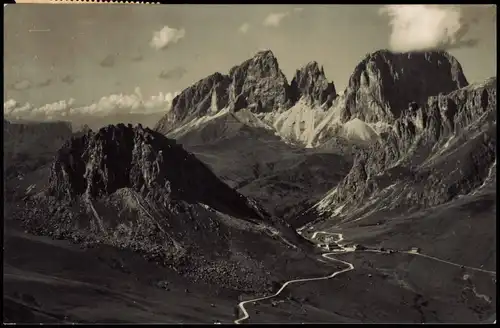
(79, 55)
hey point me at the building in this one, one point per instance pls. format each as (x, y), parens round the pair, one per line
(415, 250)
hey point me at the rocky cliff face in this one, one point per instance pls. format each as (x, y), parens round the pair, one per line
(261, 83)
(310, 83)
(131, 187)
(206, 96)
(433, 153)
(385, 83)
(257, 84)
(381, 87)
(97, 165)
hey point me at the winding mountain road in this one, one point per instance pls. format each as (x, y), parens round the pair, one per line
(350, 267)
(342, 249)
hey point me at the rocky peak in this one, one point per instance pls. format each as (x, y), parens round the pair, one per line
(384, 83)
(310, 83)
(97, 164)
(443, 148)
(259, 84)
(206, 96)
(263, 63)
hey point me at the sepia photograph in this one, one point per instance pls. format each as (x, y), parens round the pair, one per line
(243, 164)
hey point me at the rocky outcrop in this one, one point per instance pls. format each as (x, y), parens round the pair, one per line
(257, 84)
(206, 96)
(385, 83)
(433, 153)
(380, 89)
(311, 84)
(262, 84)
(98, 164)
(133, 188)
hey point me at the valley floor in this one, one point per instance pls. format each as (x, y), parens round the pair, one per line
(49, 280)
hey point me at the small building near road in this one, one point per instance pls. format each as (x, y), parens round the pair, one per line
(415, 250)
(329, 239)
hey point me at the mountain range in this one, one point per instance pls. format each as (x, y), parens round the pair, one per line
(229, 186)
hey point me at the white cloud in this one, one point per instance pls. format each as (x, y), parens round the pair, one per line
(106, 106)
(22, 85)
(427, 27)
(274, 19)
(11, 105)
(244, 28)
(166, 36)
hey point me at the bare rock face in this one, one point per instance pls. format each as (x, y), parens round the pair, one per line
(133, 188)
(385, 83)
(97, 165)
(433, 153)
(257, 84)
(262, 84)
(310, 83)
(205, 96)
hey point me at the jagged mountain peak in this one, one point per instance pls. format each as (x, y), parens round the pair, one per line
(262, 64)
(442, 149)
(98, 164)
(133, 188)
(197, 95)
(259, 84)
(264, 56)
(267, 55)
(384, 83)
(313, 66)
(207, 96)
(310, 82)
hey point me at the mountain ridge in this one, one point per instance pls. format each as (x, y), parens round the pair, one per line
(460, 124)
(309, 111)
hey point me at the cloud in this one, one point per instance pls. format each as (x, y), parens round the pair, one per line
(11, 105)
(106, 106)
(26, 84)
(173, 74)
(21, 85)
(274, 19)
(244, 28)
(298, 9)
(108, 61)
(166, 36)
(430, 27)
